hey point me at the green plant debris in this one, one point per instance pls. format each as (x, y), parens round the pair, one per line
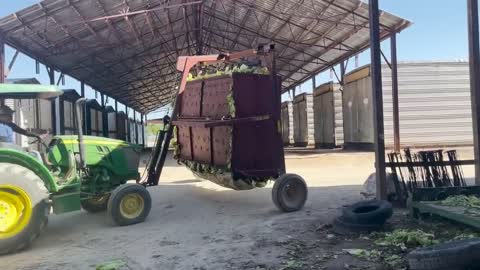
(369, 255)
(112, 265)
(394, 261)
(462, 201)
(292, 264)
(407, 239)
(231, 104)
(470, 203)
(227, 71)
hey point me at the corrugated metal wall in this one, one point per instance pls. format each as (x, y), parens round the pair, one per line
(303, 123)
(434, 102)
(328, 117)
(287, 122)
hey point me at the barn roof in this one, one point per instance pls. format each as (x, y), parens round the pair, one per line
(128, 49)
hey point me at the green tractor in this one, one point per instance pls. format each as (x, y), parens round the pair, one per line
(73, 172)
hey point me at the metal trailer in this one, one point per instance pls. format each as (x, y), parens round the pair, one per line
(67, 111)
(434, 105)
(303, 122)
(328, 116)
(358, 110)
(231, 124)
(111, 122)
(140, 130)
(287, 122)
(121, 125)
(94, 118)
(132, 130)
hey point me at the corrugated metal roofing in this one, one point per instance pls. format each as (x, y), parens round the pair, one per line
(128, 49)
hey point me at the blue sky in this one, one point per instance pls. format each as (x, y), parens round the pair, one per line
(439, 32)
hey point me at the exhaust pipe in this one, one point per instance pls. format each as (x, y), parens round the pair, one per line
(81, 147)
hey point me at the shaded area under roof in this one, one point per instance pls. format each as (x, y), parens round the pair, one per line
(128, 49)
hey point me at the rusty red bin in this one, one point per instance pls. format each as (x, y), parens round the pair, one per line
(228, 131)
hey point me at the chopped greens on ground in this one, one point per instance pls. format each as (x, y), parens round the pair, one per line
(112, 265)
(407, 239)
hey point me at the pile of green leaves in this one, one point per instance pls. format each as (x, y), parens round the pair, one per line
(470, 203)
(407, 239)
(228, 70)
(462, 201)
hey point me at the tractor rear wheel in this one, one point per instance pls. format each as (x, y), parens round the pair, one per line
(95, 204)
(24, 207)
(129, 204)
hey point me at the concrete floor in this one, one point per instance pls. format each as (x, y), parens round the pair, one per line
(199, 225)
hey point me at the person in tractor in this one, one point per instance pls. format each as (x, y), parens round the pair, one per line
(7, 127)
(6, 132)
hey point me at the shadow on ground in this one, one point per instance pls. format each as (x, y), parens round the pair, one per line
(189, 227)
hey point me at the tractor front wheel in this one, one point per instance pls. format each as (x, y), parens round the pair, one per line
(129, 204)
(24, 207)
(95, 204)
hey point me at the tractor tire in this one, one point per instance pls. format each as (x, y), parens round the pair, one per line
(24, 207)
(129, 204)
(95, 204)
(454, 255)
(289, 193)
(368, 212)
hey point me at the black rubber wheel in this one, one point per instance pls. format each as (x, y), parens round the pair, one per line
(95, 204)
(455, 255)
(368, 212)
(289, 193)
(129, 204)
(342, 226)
(20, 185)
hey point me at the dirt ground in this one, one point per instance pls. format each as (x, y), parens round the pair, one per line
(198, 225)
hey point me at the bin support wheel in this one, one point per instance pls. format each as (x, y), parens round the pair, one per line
(289, 193)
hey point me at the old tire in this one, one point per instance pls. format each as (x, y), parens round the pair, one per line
(129, 204)
(24, 207)
(368, 212)
(455, 255)
(95, 204)
(289, 193)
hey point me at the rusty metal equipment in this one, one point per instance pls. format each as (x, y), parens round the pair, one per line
(228, 128)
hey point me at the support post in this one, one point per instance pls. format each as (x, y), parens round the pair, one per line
(82, 93)
(314, 82)
(136, 126)
(54, 102)
(128, 124)
(379, 136)
(82, 89)
(143, 129)
(396, 110)
(474, 60)
(342, 73)
(2, 61)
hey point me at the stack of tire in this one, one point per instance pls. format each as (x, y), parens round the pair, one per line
(365, 216)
